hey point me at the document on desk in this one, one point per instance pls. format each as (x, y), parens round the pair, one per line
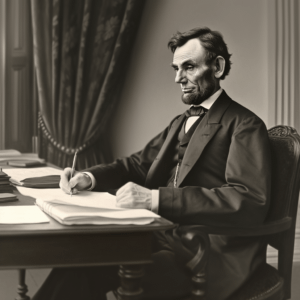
(26, 214)
(19, 174)
(83, 198)
(86, 208)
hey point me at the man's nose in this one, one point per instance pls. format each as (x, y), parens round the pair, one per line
(180, 77)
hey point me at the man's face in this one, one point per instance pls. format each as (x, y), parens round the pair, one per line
(196, 79)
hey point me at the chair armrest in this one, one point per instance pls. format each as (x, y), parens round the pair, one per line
(191, 234)
(260, 230)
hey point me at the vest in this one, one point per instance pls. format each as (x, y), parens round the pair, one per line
(181, 144)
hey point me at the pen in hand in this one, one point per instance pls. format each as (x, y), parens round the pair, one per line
(72, 171)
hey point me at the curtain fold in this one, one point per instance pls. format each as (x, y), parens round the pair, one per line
(81, 50)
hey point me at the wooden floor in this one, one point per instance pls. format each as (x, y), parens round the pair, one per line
(34, 278)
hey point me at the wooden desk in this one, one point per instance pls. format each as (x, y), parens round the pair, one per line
(56, 245)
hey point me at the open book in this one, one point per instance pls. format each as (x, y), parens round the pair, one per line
(86, 208)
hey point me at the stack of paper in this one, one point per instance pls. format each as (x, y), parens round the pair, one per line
(86, 208)
(46, 177)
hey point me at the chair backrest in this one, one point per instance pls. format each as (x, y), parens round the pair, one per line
(285, 151)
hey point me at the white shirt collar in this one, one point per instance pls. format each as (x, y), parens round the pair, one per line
(211, 100)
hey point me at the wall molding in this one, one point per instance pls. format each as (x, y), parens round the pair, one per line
(2, 71)
(283, 64)
(284, 79)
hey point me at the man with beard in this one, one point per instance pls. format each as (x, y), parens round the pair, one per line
(210, 166)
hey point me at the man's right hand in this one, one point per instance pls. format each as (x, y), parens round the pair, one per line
(78, 182)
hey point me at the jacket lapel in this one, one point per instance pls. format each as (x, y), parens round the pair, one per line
(205, 131)
(152, 177)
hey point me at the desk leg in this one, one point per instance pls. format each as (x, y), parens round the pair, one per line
(130, 288)
(22, 287)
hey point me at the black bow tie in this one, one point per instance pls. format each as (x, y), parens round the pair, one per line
(196, 111)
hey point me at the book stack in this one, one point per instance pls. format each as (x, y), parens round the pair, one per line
(5, 186)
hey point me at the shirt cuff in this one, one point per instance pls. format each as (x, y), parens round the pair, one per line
(94, 182)
(155, 201)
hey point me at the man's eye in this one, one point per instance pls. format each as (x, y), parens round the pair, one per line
(190, 68)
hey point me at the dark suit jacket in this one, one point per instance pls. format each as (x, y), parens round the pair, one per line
(224, 179)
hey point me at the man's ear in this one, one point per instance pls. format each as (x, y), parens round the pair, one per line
(219, 66)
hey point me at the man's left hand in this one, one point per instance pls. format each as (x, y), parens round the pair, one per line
(132, 195)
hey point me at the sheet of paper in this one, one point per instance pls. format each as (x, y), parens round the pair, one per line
(74, 215)
(84, 198)
(103, 221)
(18, 174)
(29, 214)
(69, 212)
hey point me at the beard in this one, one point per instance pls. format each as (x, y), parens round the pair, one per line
(204, 92)
(197, 98)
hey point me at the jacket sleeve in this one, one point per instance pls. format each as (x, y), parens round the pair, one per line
(244, 199)
(133, 168)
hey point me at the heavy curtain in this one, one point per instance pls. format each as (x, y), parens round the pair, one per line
(81, 51)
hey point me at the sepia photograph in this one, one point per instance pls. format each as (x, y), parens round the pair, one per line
(149, 149)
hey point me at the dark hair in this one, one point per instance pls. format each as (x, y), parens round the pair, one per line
(212, 41)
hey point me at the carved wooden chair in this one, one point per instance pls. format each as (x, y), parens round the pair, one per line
(279, 228)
